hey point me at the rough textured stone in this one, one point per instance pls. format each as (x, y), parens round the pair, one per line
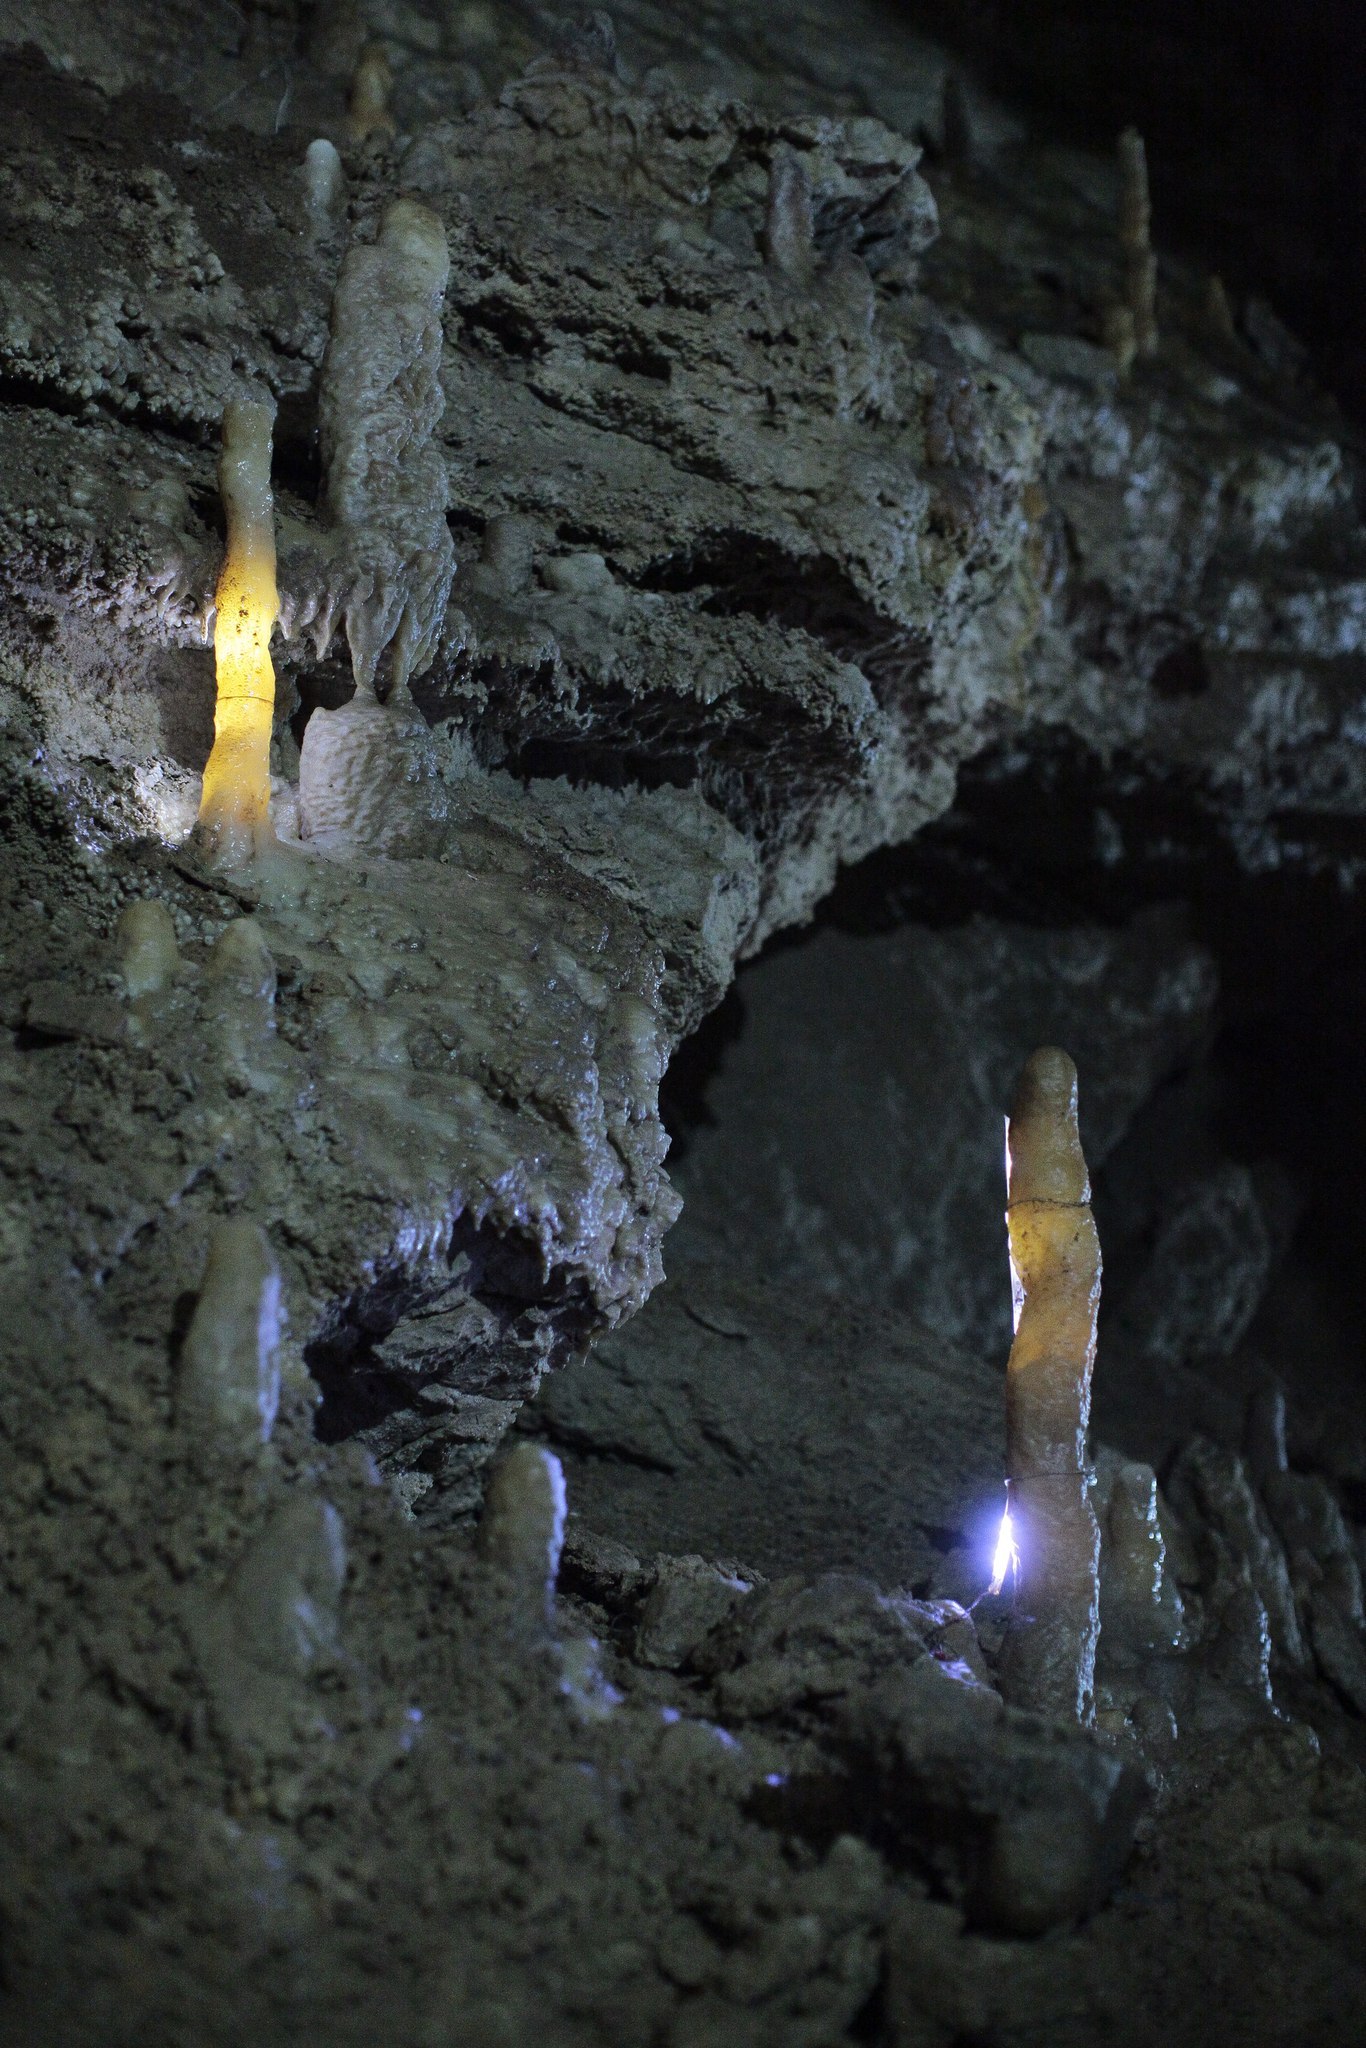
(741, 1417)
(1028, 1822)
(771, 508)
(854, 1130)
(1245, 1564)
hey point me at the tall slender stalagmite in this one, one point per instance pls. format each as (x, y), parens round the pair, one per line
(1049, 1658)
(1135, 235)
(234, 809)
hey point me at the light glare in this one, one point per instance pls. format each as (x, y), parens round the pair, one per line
(1007, 1558)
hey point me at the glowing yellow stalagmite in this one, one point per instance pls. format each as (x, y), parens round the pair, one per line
(1048, 1662)
(234, 810)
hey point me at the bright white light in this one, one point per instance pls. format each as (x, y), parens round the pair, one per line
(1017, 1294)
(1007, 1558)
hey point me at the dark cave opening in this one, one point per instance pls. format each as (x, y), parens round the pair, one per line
(1253, 117)
(1045, 838)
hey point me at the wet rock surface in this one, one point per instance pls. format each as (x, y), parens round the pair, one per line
(420, 1618)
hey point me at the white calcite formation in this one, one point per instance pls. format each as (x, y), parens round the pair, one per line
(324, 184)
(148, 954)
(521, 1531)
(1049, 1658)
(228, 1385)
(387, 556)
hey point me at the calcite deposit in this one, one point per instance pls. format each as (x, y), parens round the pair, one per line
(712, 496)
(1049, 1658)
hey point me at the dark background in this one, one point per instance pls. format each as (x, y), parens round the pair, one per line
(1255, 121)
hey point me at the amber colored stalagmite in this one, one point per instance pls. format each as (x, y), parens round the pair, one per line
(1048, 1662)
(370, 89)
(234, 810)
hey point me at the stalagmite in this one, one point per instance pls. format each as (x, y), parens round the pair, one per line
(521, 1535)
(789, 235)
(1117, 327)
(149, 957)
(1139, 1597)
(522, 1531)
(1218, 311)
(239, 1002)
(284, 1595)
(229, 1386)
(370, 89)
(241, 961)
(234, 809)
(1048, 1662)
(324, 184)
(384, 564)
(955, 121)
(1135, 235)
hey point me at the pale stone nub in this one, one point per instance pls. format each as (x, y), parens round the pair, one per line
(229, 1383)
(149, 957)
(789, 234)
(522, 1530)
(1044, 1155)
(370, 89)
(1139, 1598)
(324, 183)
(284, 1594)
(241, 961)
(1135, 234)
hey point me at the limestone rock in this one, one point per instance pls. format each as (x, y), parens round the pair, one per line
(719, 1422)
(1244, 1561)
(854, 1129)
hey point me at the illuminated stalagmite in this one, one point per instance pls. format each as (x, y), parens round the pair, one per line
(234, 810)
(1050, 1652)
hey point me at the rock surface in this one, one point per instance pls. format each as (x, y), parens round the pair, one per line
(784, 473)
(853, 1133)
(745, 1416)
